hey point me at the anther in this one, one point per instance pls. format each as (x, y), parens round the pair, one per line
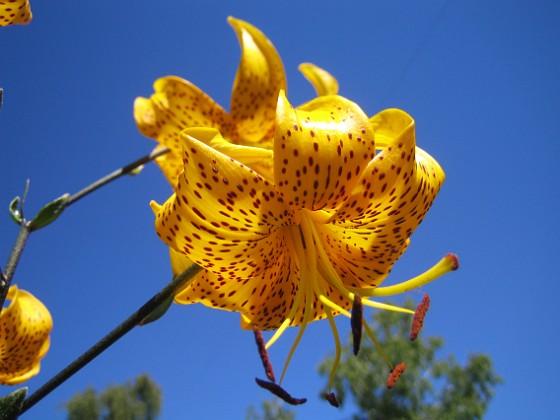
(263, 353)
(419, 315)
(331, 398)
(455, 261)
(394, 375)
(280, 392)
(356, 323)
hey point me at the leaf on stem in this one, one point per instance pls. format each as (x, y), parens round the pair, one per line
(49, 213)
(11, 404)
(15, 210)
(158, 312)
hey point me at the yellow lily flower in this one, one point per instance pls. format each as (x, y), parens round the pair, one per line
(25, 326)
(325, 230)
(15, 12)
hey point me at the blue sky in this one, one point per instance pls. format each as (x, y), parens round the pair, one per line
(481, 79)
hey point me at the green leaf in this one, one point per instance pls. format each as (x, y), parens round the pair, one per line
(15, 212)
(11, 405)
(49, 213)
(158, 312)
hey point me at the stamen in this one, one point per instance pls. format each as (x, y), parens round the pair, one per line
(331, 398)
(356, 323)
(395, 374)
(448, 263)
(377, 344)
(338, 350)
(264, 355)
(280, 392)
(419, 315)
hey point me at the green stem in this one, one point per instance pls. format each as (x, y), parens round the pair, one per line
(171, 289)
(125, 170)
(17, 250)
(8, 273)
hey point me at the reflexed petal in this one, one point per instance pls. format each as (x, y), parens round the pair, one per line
(15, 12)
(361, 257)
(259, 78)
(177, 104)
(392, 197)
(24, 337)
(323, 82)
(264, 299)
(320, 149)
(223, 216)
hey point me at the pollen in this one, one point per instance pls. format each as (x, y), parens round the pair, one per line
(395, 374)
(419, 315)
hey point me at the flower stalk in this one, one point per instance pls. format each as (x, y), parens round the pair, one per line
(180, 281)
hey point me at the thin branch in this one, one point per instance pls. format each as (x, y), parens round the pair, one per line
(173, 287)
(125, 170)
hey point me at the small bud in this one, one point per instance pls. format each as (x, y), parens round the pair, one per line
(331, 398)
(356, 323)
(280, 392)
(394, 375)
(419, 315)
(263, 353)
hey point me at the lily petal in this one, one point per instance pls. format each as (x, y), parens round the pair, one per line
(224, 216)
(320, 149)
(177, 104)
(323, 82)
(24, 336)
(371, 229)
(15, 12)
(259, 78)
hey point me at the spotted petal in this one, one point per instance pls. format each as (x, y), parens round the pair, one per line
(177, 104)
(323, 82)
(15, 12)
(259, 78)
(370, 230)
(320, 149)
(24, 337)
(223, 215)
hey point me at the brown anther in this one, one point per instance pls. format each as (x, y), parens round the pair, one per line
(356, 323)
(331, 398)
(419, 315)
(455, 260)
(279, 392)
(394, 375)
(263, 353)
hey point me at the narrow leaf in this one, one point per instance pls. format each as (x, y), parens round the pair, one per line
(158, 312)
(49, 213)
(15, 212)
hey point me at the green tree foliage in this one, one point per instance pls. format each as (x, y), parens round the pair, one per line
(431, 388)
(140, 400)
(270, 410)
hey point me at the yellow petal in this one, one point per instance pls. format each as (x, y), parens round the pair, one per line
(259, 78)
(177, 104)
(223, 216)
(320, 150)
(323, 82)
(371, 229)
(24, 337)
(15, 12)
